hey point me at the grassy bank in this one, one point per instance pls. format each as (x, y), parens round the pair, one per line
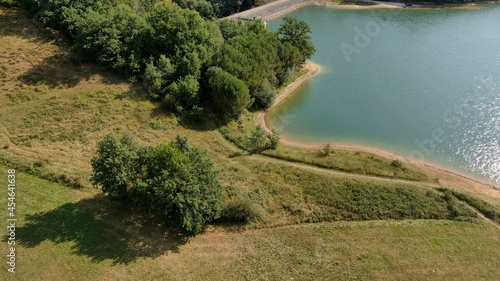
(482, 206)
(72, 234)
(341, 160)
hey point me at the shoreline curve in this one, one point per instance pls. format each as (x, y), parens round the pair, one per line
(313, 69)
(279, 8)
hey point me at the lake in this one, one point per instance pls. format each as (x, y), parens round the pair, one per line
(421, 83)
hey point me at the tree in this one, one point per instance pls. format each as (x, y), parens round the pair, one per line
(264, 96)
(229, 94)
(258, 140)
(180, 184)
(157, 77)
(296, 32)
(111, 36)
(114, 167)
(182, 35)
(174, 181)
(274, 139)
(185, 91)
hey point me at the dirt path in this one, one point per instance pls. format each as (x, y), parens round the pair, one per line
(259, 157)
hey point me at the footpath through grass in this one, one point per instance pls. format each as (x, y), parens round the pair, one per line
(238, 132)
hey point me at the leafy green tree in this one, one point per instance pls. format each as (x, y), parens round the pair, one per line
(274, 139)
(157, 77)
(173, 181)
(114, 167)
(296, 32)
(179, 183)
(185, 91)
(112, 37)
(203, 7)
(290, 59)
(264, 96)
(257, 56)
(182, 35)
(257, 140)
(52, 12)
(229, 94)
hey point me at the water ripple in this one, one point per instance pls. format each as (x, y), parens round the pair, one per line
(478, 139)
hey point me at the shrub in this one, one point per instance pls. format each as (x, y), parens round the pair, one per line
(257, 140)
(327, 149)
(274, 139)
(241, 209)
(482, 206)
(397, 164)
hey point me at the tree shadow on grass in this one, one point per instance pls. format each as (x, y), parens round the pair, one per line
(66, 69)
(15, 22)
(102, 229)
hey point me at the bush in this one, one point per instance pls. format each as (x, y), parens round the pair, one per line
(242, 210)
(156, 125)
(327, 149)
(397, 164)
(274, 139)
(354, 200)
(257, 140)
(185, 91)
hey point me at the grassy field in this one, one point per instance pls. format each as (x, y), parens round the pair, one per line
(55, 108)
(67, 234)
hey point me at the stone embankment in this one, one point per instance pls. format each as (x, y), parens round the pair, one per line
(272, 10)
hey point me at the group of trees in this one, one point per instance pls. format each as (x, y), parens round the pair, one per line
(210, 9)
(181, 57)
(175, 182)
(263, 59)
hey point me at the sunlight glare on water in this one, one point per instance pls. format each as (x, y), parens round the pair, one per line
(425, 83)
(477, 141)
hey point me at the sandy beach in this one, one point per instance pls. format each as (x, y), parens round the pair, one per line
(444, 176)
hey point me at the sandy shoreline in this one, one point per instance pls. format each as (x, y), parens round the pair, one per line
(447, 177)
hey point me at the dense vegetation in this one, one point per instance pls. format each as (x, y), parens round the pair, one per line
(351, 200)
(174, 50)
(173, 181)
(482, 206)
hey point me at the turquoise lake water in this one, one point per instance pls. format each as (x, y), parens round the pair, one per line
(422, 83)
